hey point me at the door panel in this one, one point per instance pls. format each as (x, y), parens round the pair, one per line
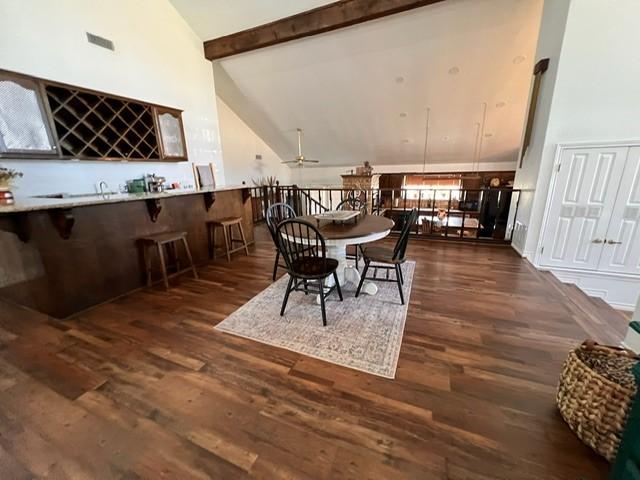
(581, 206)
(621, 253)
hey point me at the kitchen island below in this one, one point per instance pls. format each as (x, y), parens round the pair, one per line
(60, 256)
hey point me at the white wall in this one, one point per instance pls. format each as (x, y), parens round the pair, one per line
(331, 176)
(554, 18)
(595, 98)
(157, 59)
(240, 145)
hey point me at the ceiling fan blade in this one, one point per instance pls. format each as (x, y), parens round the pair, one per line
(306, 160)
(290, 161)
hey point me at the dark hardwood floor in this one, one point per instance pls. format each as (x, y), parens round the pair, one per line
(143, 387)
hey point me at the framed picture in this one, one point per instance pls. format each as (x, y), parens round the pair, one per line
(204, 176)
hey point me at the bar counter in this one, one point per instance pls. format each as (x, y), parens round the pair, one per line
(60, 256)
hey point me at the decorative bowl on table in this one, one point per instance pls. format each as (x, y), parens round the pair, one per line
(337, 215)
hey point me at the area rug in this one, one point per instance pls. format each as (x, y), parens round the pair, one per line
(363, 333)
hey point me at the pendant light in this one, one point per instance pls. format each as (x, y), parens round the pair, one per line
(426, 142)
(484, 122)
(475, 163)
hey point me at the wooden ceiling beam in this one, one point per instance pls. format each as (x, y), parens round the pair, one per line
(312, 22)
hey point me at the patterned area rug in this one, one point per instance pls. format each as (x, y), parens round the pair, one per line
(363, 333)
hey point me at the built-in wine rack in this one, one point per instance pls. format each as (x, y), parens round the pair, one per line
(99, 126)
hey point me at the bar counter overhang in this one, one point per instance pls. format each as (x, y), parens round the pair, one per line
(60, 256)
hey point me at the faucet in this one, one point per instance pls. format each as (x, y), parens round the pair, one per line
(102, 186)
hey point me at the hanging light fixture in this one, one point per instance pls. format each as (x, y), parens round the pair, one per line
(475, 163)
(484, 122)
(426, 142)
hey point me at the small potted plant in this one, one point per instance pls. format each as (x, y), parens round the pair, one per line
(7, 176)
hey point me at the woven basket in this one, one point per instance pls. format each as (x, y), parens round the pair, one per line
(596, 389)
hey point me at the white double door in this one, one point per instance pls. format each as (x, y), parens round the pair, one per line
(594, 214)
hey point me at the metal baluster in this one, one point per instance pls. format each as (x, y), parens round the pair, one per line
(446, 228)
(480, 208)
(419, 206)
(463, 195)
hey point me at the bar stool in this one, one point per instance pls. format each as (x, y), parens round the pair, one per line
(227, 225)
(170, 241)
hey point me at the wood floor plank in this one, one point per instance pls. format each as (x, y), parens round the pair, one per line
(144, 387)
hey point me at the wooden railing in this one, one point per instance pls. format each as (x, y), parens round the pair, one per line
(480, 215)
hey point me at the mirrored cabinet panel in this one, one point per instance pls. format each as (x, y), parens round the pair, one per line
(171, 134)
(24, 122)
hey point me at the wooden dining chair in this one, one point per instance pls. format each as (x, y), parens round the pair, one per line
(277, 213)
(354, 252)
(303, 249)
(352, 203)
(389, 259)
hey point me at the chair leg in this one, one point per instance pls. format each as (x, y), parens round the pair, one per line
(335, 278)
(398, 275)
(357, 259)
(364, 274)
(324, 313)
(306, 287)
(226, 242)
(275, 265)
(244, 240)
(189, 257)
(361, 251)
(286, 296)
(401, 274)
(163, 265)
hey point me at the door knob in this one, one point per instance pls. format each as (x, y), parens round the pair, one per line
(613, 242)
(597, 240)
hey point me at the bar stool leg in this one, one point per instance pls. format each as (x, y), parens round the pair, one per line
(244, 240)
(226, 242)
(186, 249)
(176, 258)
(172, 255)
(147, 262)
(211, 240)
(163, 264)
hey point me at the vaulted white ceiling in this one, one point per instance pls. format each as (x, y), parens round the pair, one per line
(216, 18)
(362, 93)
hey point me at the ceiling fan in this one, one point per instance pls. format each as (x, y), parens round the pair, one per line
(300, 159)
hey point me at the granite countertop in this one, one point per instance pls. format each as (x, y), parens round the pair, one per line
(31, 204)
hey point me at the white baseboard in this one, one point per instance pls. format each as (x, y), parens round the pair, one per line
(517, 249)
(522, 253)
(632, 340)
(621, 292)
(625, 307)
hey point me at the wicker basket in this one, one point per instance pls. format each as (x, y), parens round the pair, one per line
(596, 390)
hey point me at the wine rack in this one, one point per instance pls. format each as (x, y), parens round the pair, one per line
(94, 125)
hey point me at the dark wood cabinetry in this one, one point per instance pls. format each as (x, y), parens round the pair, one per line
(84, 124)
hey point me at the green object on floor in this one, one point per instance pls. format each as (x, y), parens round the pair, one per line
(635, 326)
(627, 464)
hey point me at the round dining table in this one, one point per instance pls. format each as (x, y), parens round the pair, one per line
(356, 231)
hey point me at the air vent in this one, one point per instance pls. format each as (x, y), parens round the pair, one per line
(100, 41)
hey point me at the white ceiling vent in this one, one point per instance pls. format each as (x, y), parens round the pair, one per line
(100, 41)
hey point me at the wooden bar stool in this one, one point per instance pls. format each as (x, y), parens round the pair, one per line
(169, 240)
(227, 225)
